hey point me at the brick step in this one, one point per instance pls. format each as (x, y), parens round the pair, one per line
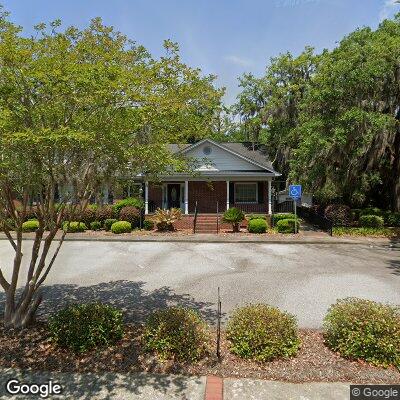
(206, 223)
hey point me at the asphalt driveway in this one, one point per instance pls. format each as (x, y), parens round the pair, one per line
(303, 279)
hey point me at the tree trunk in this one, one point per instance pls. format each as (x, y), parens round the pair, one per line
(396, 174)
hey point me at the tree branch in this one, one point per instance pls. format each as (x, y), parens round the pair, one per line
(3, 282)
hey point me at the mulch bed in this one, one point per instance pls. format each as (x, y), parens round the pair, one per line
(33, 350)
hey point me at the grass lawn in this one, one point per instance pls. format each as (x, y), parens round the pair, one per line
(377, 232)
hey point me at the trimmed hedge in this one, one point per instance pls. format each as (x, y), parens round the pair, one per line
(148, 224)
(178, 333)
(74, 226)
(30, 226)
(121, 227)
(364, 329)
(255, 216)
(88, 215)
(371, 221)
(262, 333)
(287, 226)
(95, 225)
(279, 217)
(257, 226)
(103, 213)
(130, 201)
(108, 223)
(82, 327)
(130, 214)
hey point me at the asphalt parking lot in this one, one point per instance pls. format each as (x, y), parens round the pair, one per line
(303, 279)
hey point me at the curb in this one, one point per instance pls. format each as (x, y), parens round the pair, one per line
(214, 388)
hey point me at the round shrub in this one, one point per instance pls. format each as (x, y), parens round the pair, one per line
(95, 225)
(148, 224)
(339, 214)
(234, 216)
(255, 216)
(121, 227)
(30, 226)
(262, 333)
(108, 223)
(74, 226)
(371, 221)
(178, 333)
(371, 211)
(287, 226)
(393, 219)
(363, 329)
(88, 215)
(82, 327)
(279, 217)
(130, 201)
(103, 213)
(257, 226)
(130, 214)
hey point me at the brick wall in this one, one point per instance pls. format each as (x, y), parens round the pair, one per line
(207, 195)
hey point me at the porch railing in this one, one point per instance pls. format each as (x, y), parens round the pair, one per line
(195, 218)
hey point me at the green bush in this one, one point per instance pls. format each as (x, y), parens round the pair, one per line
(355, 213)
(82, 327)
(130, 201)
(121, 227)
(130, 214)
(257, 226)
(108, 223)
(8, 222)
(393, 219)
(95, 225)
(103, 213)
(30, 226)
(74, 226)
(256, 216)
(177, 333)
(279, 217)
(381, 232)
(371, 211)
(363, 329)
(148, 224)
(234, 216)
(371, 221)
(287, 226)
(262, 333)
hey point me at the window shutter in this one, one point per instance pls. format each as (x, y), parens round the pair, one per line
(231, 192)
(260, 192)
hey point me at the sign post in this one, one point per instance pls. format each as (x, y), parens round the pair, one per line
(295, 194)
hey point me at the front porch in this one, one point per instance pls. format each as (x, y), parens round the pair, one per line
(251, 196)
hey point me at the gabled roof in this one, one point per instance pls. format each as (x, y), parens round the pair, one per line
(255, 154)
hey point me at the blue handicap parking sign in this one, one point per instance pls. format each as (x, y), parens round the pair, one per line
(295, 191)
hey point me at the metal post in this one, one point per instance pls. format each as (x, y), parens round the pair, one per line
(219, 326)
(295, 215)
(186, 197)
(227, 195)
(146, 197)
(269, 197)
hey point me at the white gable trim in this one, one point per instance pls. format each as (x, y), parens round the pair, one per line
(226, 149)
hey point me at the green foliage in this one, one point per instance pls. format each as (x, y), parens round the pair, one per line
(165, 219)
(95, 225)
(371, 211)
(287, 226)
(121, 227)
(393, 219)
(108, 223)
(339, 214)
(279, 217)
(371, 221)
(74, 226)
(262, 333)
(363, 329)
(83, 327)
(234, 216)
(355, 214)
(379, 232)
(30, 226)
(8, 223)
(148, 224)
(177, 333)
(130, 214)
(257, 226)
(128, 202)
(255, 216)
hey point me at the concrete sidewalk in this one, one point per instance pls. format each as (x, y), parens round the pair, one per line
(169, 387)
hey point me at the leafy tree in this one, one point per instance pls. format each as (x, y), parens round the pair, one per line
(79, 108)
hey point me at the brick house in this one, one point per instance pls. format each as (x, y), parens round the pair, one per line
(226, 175)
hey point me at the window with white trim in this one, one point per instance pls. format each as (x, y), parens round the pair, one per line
(246, 192)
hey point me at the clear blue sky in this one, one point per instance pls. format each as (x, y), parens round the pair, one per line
(222, 37)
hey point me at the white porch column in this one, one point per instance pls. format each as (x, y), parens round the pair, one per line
(227, 195)
(269, 197)
(146, 198)
(186, 197)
